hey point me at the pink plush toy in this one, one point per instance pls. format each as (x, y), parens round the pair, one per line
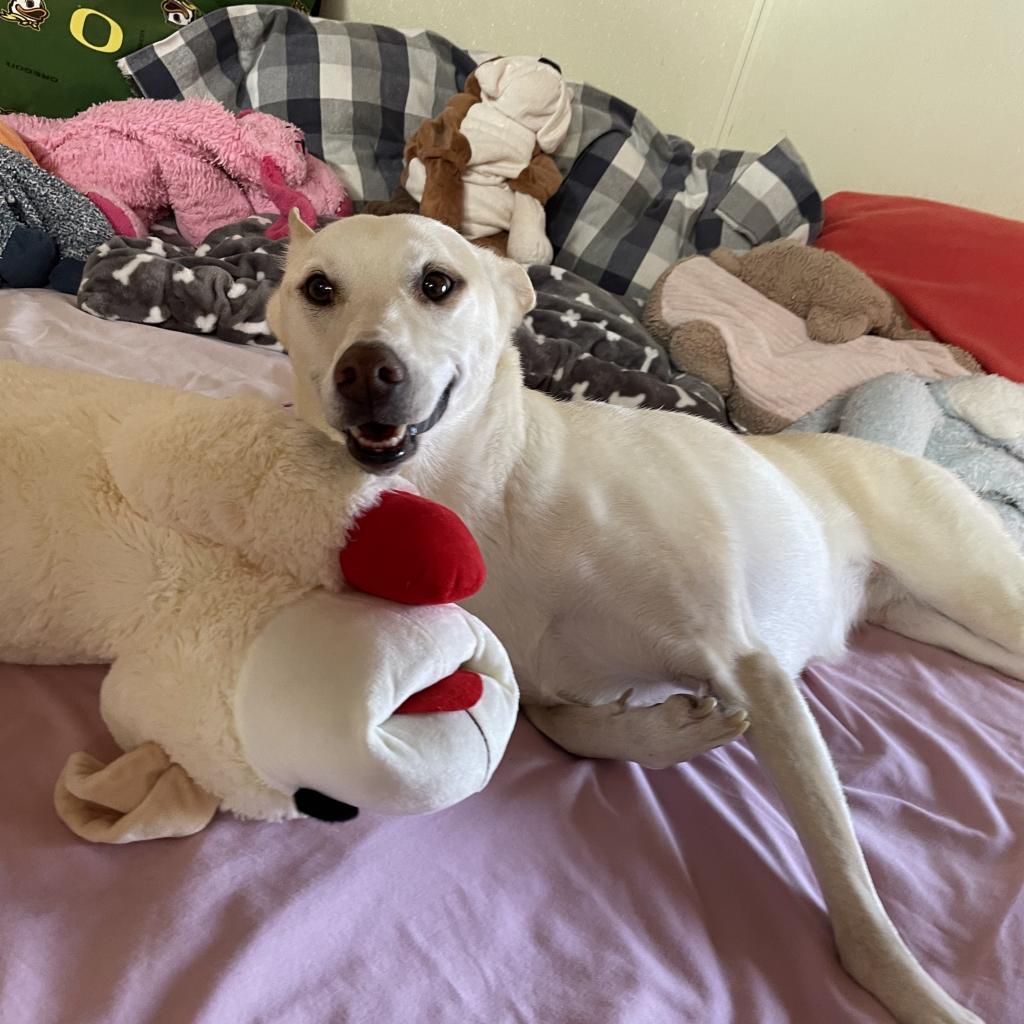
(140, 160)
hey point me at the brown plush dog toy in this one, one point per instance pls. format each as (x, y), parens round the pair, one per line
(838, 300)
(483, 165)
(784, 327)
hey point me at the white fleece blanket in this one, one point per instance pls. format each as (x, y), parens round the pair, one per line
(45, 328)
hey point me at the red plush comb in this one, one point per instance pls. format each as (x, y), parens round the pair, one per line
(413, 551)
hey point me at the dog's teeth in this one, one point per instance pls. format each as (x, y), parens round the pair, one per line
(378, 444)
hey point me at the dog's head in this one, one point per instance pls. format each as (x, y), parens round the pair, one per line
(395, 326)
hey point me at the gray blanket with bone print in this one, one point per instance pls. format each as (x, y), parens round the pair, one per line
(580, 342)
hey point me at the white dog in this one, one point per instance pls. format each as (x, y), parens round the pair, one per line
(649, 550)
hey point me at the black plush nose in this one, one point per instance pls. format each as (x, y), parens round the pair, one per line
(325, 808)
(369, 374)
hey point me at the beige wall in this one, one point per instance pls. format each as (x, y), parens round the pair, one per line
(917, 96)
(673, 59)
(923, 97)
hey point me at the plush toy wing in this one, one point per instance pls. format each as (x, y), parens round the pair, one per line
(286, 499)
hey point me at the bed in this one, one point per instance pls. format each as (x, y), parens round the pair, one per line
(569, 891)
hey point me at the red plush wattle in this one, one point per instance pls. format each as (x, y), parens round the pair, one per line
(413, 551)
(457, 692)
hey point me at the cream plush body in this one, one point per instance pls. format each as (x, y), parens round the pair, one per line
(194, 542)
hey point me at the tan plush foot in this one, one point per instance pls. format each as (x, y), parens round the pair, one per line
(139, 795)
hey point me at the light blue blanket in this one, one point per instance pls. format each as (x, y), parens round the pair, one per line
(974, 426)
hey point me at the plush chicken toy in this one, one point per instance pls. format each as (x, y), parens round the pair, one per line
(280, 624)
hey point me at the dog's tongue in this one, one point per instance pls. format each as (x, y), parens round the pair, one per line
(457, 692)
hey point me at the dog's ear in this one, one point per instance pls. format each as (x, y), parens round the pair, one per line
(521, 285)
(511, 279)
(299, 232)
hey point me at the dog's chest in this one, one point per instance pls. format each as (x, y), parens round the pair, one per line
(632, 551)
(591, 598)
(583, 654)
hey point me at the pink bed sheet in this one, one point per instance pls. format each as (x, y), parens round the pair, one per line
(570, 892)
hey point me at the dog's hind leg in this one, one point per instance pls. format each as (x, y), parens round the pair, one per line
(946, 549)
(790, 748)
(930, 533)
(909, 617)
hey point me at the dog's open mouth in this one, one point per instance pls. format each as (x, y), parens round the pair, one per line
(375, 445)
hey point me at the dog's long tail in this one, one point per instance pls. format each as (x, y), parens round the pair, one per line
(790, 748)
(951, 574)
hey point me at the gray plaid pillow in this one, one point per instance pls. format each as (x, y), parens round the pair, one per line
(634, 200)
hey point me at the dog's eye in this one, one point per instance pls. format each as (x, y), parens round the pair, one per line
(319, 290)
(436, 286)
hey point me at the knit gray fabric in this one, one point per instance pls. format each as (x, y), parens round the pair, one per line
(34, 198)
(974, 426)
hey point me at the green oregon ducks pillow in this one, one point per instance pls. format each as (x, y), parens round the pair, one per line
(58, 57)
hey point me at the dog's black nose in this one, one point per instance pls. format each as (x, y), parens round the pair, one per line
(369, 373)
